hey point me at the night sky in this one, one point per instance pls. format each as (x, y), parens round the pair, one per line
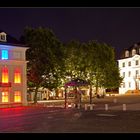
(119, 27)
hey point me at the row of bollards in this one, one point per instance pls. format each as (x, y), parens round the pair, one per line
(90, 106)
(123, 107)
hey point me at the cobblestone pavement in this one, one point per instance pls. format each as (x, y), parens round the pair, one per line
(59, 120)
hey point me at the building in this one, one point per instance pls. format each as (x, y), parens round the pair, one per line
(12, 72)
(129, 65)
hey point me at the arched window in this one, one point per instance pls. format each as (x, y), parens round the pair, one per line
(5, 78)
(126, 53)
(133, 52)
(17, 76)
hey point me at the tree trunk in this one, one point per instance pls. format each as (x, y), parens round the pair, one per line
(90, 95)
(65, 97)
(97, 86)
(96, 89)
(35, 96)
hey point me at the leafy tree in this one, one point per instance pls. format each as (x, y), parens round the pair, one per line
(103, 69)
(44, 56)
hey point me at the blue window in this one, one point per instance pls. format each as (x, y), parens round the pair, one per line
(4, 54)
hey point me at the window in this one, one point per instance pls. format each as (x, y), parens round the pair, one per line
(129, 84)
(129, 63)
(133, 52)
(17, 76)
(137, 62)
(123, 64)
(16, 55)
(123, 74)
(4, 54)
(126, 53)
(137, 72)
(129, 73)
(4, 96)
(17, 96)
(3, 36)
(5, 78)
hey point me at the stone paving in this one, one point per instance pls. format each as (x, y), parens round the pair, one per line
(41, 119)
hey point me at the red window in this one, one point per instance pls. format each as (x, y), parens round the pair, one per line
(5, 78)
(17, 76)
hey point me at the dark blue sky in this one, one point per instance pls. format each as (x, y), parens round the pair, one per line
(119, 27)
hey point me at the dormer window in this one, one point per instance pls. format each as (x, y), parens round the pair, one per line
(3, 37)
(133, 52)
(126, 53)
(139, 50)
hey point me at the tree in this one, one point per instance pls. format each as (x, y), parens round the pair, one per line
(44, 56)
(103, 70)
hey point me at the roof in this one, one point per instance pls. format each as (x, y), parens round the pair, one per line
(11, 41)
(77, 82)
(134, 46)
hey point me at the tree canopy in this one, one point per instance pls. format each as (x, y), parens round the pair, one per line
(52, 63)
(44, 56)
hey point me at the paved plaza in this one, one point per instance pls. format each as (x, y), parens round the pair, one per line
(40, 119)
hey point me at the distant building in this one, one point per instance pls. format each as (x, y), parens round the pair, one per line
(12, 71)
(129, 65)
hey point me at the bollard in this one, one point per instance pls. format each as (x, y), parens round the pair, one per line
(78, 106)
(91, 107)
(106, 107)
(115, 100)
(69, 106)
(66, 105)
(124, 107)
(85, 106)
(72, 105)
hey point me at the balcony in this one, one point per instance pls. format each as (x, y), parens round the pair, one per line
(5, 84)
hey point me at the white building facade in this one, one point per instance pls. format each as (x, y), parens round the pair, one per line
(129, 66)
(13, 81)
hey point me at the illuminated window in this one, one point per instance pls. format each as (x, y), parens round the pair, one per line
(137, 72)
(123, 64)
(4, 54)
(129, 73)
(17, 96)
(5, 75)
(137, 62)
(123, 74)
(17, 76)
(129, 63)
(129, 84)
(4, 96)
